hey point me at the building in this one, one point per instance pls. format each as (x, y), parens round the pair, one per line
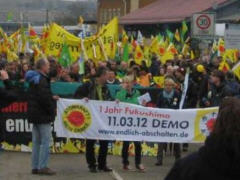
(164, 14)
(107, 9)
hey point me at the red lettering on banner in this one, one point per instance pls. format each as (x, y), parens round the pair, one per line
(17, 107)
(137, 112)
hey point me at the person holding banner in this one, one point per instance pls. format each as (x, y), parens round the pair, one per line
(129, 95)
(220, 156)
(96, 90)
(41, 113)
(169, 98)
(6, 97)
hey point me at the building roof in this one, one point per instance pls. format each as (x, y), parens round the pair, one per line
(163, 11)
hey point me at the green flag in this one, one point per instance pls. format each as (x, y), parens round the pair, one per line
(81, 65)
(184, 30)
(159, 37)
(125, 53)
(117, 55)
(170, 35)
(9, 16)
(65, 57)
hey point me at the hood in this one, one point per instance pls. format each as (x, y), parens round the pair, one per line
(222, 154)
(32, 77)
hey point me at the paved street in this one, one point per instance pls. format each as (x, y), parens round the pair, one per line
(16, 166)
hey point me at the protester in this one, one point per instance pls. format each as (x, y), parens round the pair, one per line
(112, 78)
(158, 68)
(96, 90)
(168, 98)
(130, 95)
(144, 78)
(74, 72)
(6, 96)
(219, 157)
(41, 113)
(218, 89)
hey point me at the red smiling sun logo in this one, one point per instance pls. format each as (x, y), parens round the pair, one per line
(210, 124)
(76, 118)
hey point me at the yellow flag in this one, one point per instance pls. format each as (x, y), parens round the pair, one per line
(57, 37)
(177, 35)
(109, 36)
(236, 70)
(88, 48)
(138, 56)
(224, 66)
(192, 55)
(221, 45)
(154, 45)
(171, 48)
(146, 54)
(167, 56)
(159, 80)
(185, 49)
(124, 37)
(11, 56)
(80, 20)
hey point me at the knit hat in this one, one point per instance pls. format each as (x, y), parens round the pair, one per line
(200, 68)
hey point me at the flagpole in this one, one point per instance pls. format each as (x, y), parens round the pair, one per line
(102, 48)
(84, 50)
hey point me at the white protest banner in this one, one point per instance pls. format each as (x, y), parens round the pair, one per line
(105, 120)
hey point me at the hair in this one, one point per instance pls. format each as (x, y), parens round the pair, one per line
(228, 122)
(40, 63)
(170, 80)
(219, 74)
(128, 78)
(101, 71)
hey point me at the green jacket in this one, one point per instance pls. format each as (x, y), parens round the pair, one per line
(123, 96)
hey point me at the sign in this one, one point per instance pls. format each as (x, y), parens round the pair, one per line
(232, 36)
(203, 25)
(16, 131)
(105, 120)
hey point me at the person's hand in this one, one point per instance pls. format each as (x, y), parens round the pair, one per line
(4, 75)
(86, 100)
(207, 103)
(117, 101)
(124, 86)
(144, 103)
(93, 72)
(56, 98)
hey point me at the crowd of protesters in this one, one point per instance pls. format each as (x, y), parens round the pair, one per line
(207, 87)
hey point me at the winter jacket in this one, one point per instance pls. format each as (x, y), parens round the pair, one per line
(164, 103)
(6, 95)
(191, 95)
(218, 159)
(89, 90)
(216, 94)
(124, 96)
(41, 105)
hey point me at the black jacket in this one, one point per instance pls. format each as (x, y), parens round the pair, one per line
(216, 94)
(218, 159)
(41, 105)
(89, 90)
(173, 103)
(6, 95)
